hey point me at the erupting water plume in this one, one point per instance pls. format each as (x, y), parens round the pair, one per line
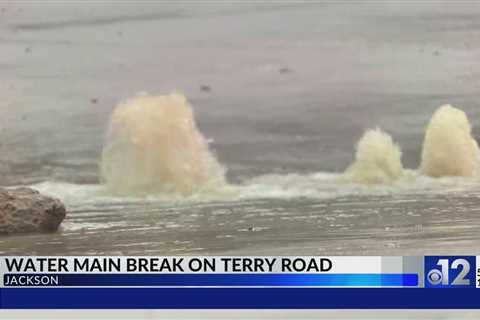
(154, 146)
(449, 148)
(378, 159)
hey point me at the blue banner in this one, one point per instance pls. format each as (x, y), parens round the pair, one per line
(237, 298)
(430, 282)
(212, 280)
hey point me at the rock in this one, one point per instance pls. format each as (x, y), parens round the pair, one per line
(26, 210)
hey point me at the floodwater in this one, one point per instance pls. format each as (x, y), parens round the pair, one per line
(282, 90)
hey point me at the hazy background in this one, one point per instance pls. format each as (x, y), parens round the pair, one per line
(292, 84)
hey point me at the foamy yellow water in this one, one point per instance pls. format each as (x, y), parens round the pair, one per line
(153, 146)
(377, 160)
(449, 148)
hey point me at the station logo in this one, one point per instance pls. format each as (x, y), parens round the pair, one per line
(450, 271)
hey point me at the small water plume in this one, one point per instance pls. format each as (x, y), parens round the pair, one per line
(377, 160)
(449, 148)
(153, 146)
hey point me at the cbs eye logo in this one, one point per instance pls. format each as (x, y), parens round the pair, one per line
(448, 272)
(435, 277)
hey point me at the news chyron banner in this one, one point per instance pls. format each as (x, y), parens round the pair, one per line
(221, 282)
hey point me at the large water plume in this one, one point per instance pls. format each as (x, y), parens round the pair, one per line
(449, 148)
(377, 160)
(153, 146)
